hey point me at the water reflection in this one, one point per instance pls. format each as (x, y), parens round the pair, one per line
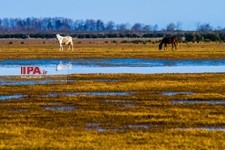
(62, 66)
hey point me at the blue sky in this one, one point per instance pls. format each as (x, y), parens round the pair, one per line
(161, 12)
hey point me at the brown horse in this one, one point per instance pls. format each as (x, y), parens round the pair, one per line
(168, 40)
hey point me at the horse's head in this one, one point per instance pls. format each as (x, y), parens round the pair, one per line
(57, 35)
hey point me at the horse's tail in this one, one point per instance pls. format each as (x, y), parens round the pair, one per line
(72, 43)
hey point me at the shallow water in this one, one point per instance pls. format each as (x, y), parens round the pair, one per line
(148, 70)
(198, 101)
(114, 62)
(125, 65)
(9, 97)
(53, 94)
(204, 128)
(176, 93)
(32, 82)
(60, 108)
(104, 127)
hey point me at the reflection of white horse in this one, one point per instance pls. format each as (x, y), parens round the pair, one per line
(65, 40)
(61, 66)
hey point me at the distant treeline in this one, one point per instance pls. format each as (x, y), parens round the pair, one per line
(182, 36)
(48, 27)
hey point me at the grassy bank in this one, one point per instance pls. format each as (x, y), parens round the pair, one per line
(107, 48)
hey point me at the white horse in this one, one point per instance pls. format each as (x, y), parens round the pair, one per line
(68, 40)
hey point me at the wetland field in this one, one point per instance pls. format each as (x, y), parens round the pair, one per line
(112, 110)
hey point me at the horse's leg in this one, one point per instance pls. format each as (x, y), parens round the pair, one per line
(172, 46)
(165, 46)
(68, 47)
(61, 48)
(175, 44)
(72, 46)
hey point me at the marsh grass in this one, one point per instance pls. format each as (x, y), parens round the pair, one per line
(146, 118)
(92, 48)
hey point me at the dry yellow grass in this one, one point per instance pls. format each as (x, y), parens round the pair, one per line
(106, 48)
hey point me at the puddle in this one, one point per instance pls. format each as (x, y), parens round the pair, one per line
(176, 93)
(99, 127)
(107, 80)
(60, 108)
(93, 93)
(9, 97)
(139, 126)
(198, 101)
(115, 101)
(54, 94)
(204, 128)
(95, 126)
(213, 128)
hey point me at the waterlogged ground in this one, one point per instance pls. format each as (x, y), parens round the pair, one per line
(113, 110)
(104, 111)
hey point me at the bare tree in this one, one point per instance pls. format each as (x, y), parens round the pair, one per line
(147, 28)
(123, 26)
(137, 27)
(110, 26)
(171, 27)
(100, 26)
(204, 27)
